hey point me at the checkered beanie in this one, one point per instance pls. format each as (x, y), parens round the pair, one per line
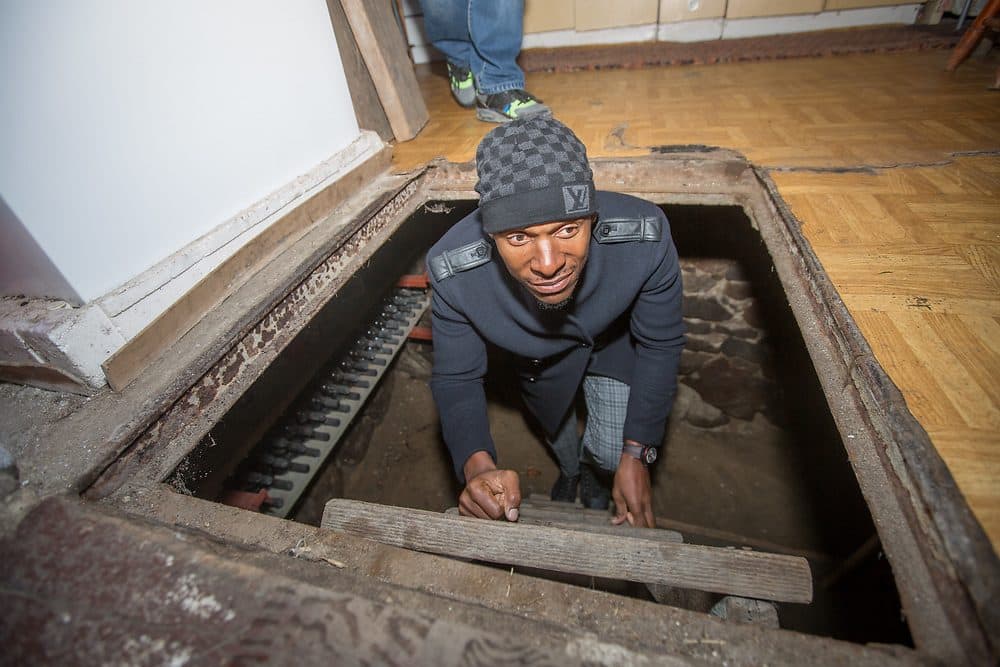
(532, 171)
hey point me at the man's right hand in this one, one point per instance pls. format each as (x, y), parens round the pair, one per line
(489, 493)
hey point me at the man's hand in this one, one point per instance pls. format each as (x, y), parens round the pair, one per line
(632, 494)
(489, 493)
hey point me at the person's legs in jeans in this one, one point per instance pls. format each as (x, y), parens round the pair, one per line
(495, 28)
(485, 37)
(446, 23)
(607, 405)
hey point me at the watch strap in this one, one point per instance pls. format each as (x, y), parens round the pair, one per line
(644, 453)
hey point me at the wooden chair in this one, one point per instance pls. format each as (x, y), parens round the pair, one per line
(987, 20)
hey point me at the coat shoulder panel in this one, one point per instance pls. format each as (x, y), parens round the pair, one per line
(624, 218)
(462, 248)
(464, 258)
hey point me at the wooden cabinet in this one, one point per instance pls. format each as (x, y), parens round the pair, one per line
(742, 9)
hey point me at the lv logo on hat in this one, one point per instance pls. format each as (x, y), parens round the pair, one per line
(576, 198)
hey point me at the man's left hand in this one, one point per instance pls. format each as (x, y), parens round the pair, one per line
(633, 494)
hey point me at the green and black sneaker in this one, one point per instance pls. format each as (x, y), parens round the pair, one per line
(463, 86)
(509, 105)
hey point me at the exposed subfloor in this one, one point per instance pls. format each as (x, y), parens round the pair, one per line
(728, 479)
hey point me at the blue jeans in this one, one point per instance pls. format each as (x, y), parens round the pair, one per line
(601, 444)
(483, 35)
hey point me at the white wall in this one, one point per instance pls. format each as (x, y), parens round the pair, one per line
(129, 128)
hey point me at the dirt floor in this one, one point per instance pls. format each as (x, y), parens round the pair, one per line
(733, 478)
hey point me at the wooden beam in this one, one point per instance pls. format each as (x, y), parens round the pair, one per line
(729, 571)
(385, 53)
(364, 94)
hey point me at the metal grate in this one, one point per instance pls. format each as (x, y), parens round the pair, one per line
(281, 466)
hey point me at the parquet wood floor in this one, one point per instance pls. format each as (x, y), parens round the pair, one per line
(910, 235)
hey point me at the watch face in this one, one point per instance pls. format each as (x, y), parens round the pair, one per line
(649, 455)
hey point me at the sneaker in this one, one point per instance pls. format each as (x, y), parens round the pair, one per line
(463, 86)
(564, 490)
(594, 491)
(509, 105)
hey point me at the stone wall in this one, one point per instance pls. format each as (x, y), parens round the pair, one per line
(727, 368)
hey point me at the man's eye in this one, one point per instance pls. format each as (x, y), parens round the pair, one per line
(517, 239)
(568, 232)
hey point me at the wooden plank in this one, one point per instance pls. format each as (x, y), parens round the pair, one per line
(533, 517)
(542, 501)
(730, 571)
(578, 517)
(385, 53)
(131, 359)
(364, 94)
(536, 510)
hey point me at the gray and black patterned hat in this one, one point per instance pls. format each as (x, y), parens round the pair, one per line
(532, 171)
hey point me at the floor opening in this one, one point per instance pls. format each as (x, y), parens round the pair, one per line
(752, 456)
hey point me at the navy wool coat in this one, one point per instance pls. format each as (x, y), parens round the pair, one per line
(624, 323)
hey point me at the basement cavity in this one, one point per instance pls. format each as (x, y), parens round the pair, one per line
(752, 456)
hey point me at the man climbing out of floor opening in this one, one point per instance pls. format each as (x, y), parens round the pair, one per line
(480, 40)
(583, 288)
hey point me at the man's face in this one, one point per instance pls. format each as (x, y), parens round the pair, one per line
(547, 258)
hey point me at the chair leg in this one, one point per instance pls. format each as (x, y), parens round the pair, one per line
(972, 36)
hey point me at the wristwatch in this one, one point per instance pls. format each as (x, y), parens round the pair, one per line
(644, 453)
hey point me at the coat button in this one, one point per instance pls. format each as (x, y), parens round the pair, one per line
(531, 379)
(536, 362)
(605, 230)
(584, 345)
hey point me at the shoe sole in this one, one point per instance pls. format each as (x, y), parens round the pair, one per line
(491, 116)
(465, 103)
